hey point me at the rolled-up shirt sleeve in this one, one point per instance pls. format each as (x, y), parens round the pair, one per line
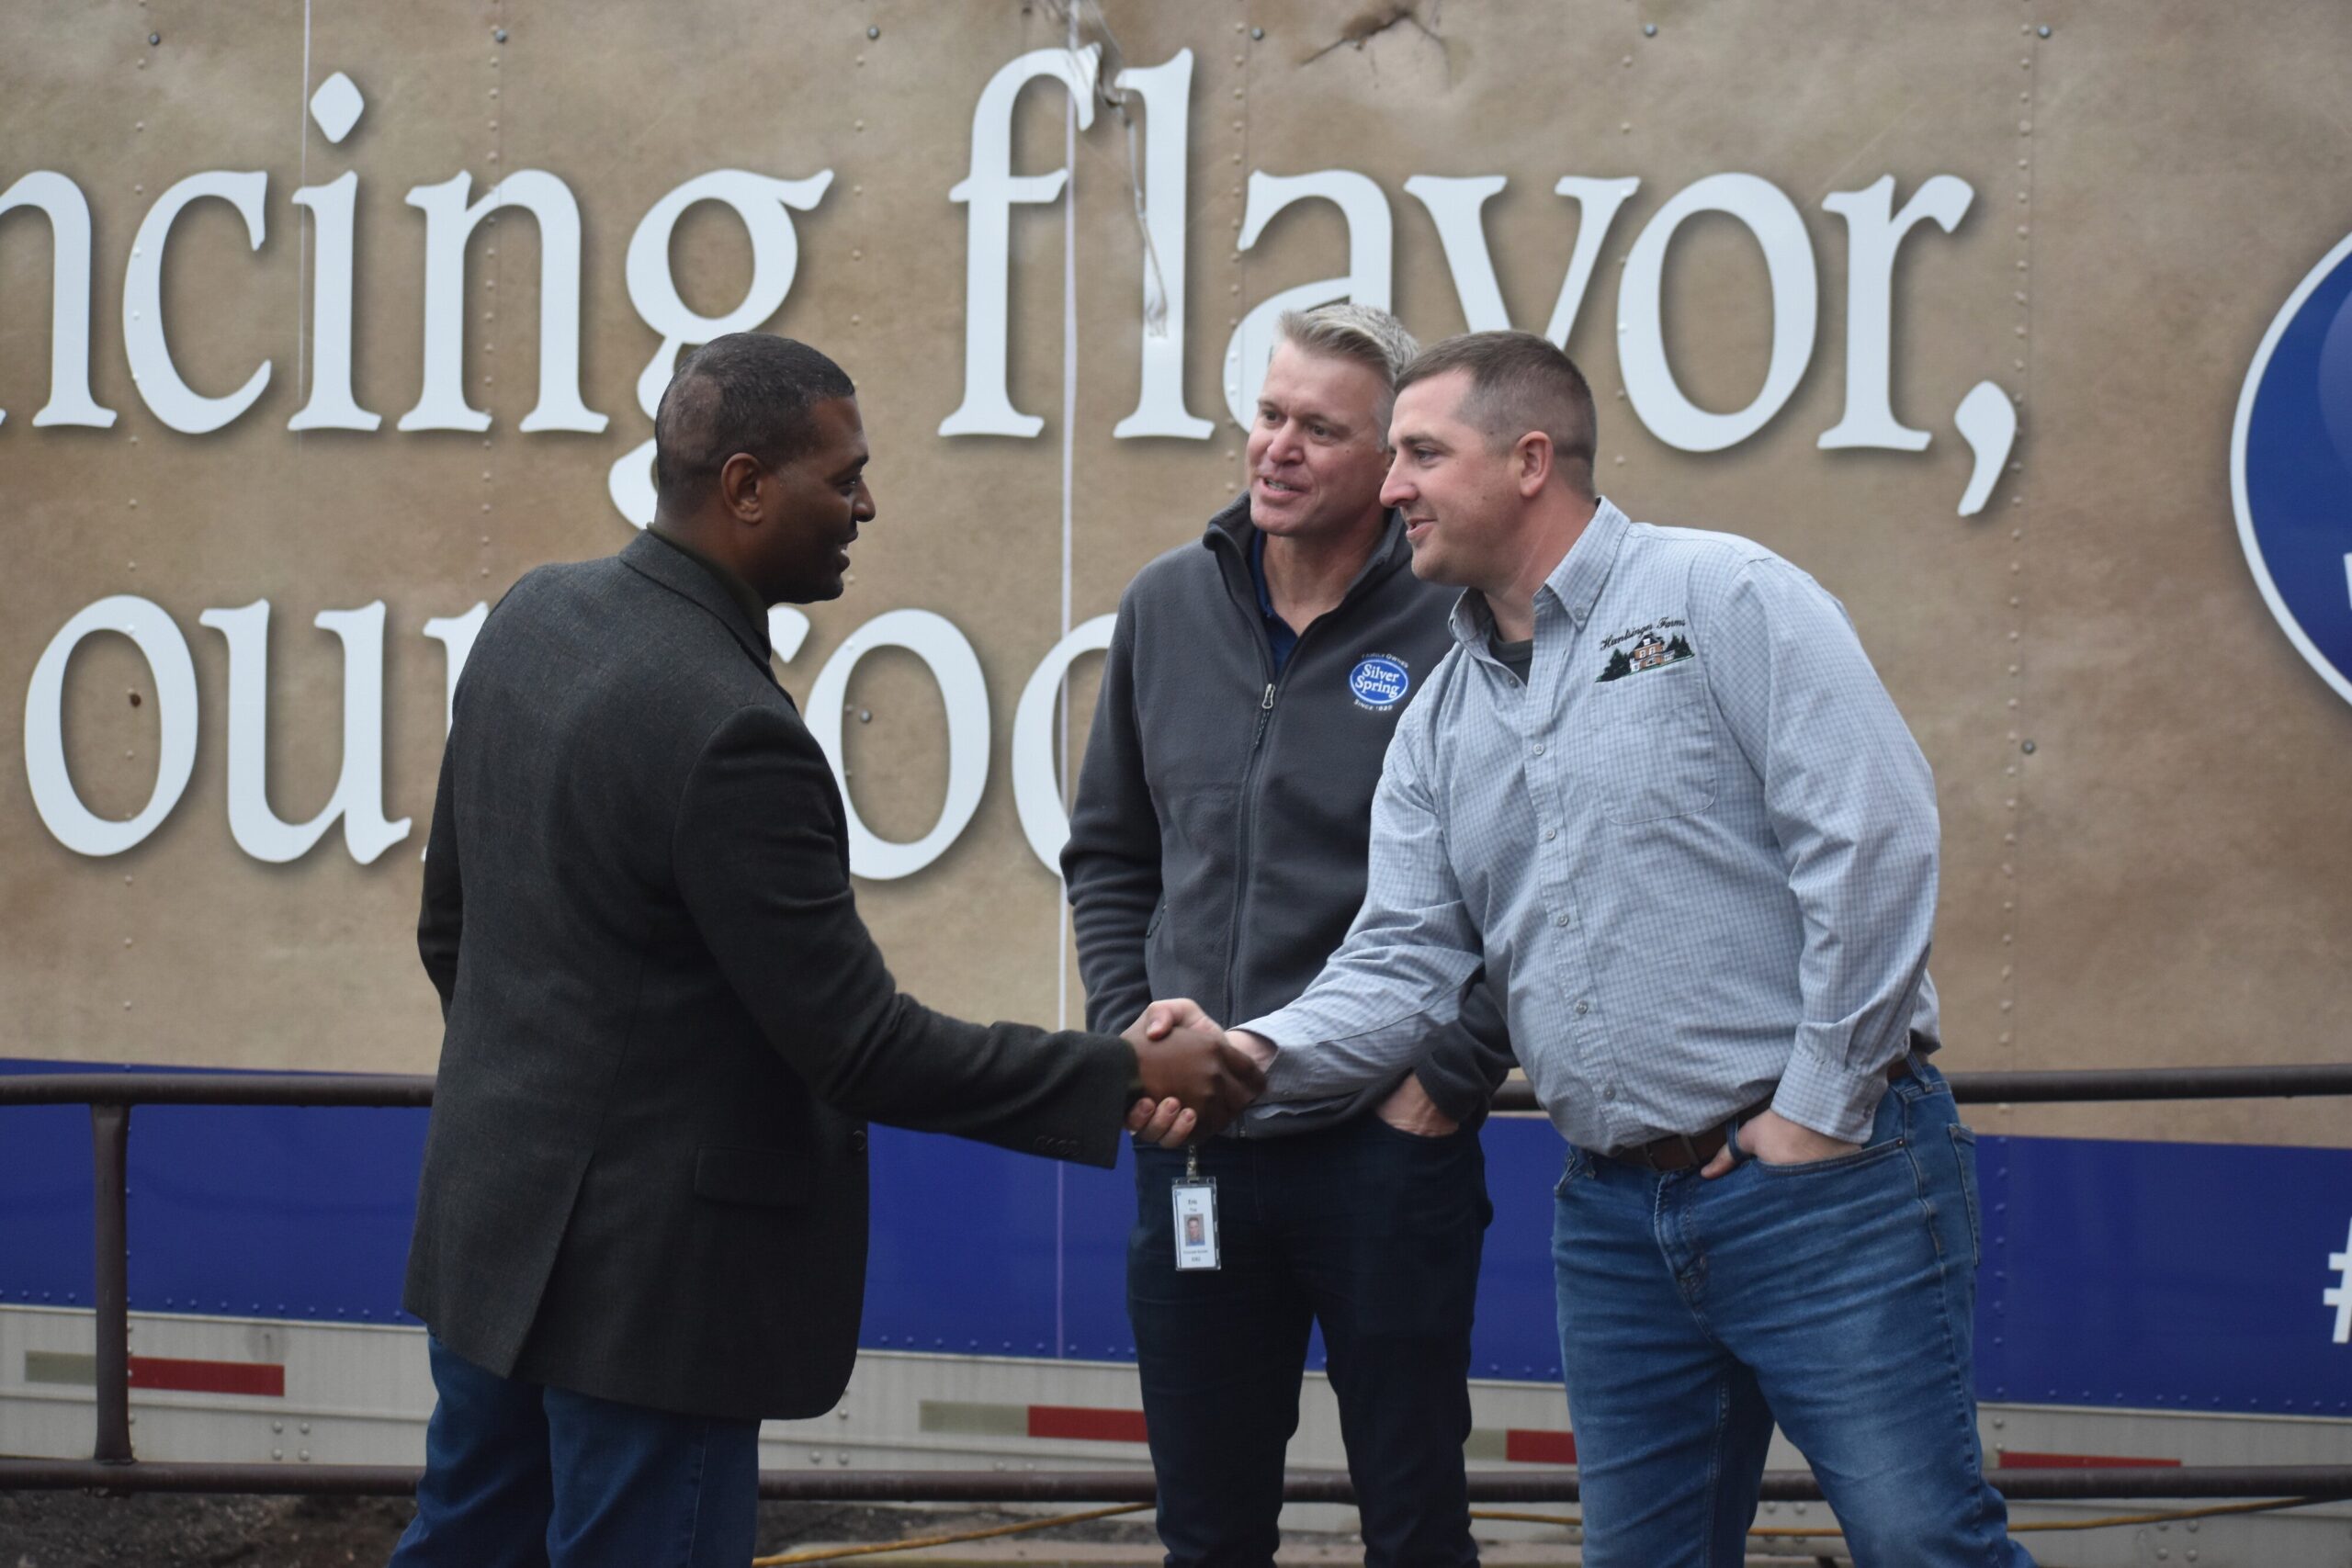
(1382, 1000)
(1852, 806)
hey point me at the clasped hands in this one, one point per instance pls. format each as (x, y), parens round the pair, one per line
(1208, 1075)
(1196, 1075)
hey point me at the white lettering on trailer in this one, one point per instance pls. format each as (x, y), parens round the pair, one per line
(989, 193)
(2339, 1295)
(359, 796)
(69, 821)
(1371, 267)
(948, 653)
(1456, 205)
(448, 222)
(1166, 90)
(168, 397)
(68, 297)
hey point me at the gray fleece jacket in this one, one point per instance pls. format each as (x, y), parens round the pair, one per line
(1216, 846)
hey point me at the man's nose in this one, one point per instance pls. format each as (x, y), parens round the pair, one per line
(864, 508)
(1395, 488)
(1283, 446)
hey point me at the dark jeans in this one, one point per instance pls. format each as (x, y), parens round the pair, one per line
(1372, 1231)
(1837, 1296)
(518, 1474)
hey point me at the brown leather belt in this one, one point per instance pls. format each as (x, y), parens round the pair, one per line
(1678, 1151)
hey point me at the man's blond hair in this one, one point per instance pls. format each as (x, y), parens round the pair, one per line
(1370, 336)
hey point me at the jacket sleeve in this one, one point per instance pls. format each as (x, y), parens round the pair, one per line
(761, 867)
(1470, 1058)
(441, 920)
(1111, 863)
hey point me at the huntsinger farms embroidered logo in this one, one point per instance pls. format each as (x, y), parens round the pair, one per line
(1652, 647)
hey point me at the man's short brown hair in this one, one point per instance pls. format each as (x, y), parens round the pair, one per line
(1519, 383)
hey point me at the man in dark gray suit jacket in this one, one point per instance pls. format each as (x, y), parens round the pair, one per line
(643, 1221)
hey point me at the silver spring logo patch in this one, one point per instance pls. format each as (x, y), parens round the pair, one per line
(1380, 682)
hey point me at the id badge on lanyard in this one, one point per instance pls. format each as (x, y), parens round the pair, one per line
(1195, 1196)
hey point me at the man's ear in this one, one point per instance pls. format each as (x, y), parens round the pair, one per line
(1531, 463)
(739, 486)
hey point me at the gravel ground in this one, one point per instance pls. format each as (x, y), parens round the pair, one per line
(68, 1530)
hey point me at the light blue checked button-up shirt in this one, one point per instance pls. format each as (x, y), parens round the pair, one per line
(1696, 851)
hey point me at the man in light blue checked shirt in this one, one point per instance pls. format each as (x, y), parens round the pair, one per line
(1658, 792)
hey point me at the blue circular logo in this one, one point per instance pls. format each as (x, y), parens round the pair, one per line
(1379, 680)
(2291, 469)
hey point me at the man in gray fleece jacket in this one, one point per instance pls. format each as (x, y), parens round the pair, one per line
(1216, 851)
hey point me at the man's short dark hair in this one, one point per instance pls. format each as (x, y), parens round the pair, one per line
(1518, 382)
(744, 392)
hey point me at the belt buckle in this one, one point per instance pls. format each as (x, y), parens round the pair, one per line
(1689, 1150)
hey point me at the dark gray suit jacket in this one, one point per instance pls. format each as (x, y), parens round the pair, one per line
(646, 1175)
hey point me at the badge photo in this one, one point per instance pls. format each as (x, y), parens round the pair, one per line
(1196, 1203)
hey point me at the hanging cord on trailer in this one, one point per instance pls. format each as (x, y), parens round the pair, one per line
(917, 1543)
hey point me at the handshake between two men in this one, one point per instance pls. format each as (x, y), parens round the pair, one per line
(1197, 1076)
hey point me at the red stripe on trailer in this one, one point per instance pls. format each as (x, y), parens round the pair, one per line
(2014, 1459)
(208, 1377)
(1084, 1422)
(1525, 1446)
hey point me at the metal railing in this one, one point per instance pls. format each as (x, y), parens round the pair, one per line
(113, 1467)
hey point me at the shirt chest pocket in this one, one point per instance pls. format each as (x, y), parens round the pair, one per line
(1648, 748)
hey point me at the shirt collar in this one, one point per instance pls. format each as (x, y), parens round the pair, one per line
(1471, 620)
(1575, 584)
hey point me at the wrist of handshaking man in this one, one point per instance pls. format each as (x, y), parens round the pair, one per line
(1196, 1077)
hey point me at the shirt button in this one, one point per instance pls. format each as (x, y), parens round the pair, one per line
(1539, 748)
(1609, 1093)
(1550, 834)
(1583, 1008)
(1563, 919)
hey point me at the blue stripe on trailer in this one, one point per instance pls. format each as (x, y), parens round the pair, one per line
(2168, 1276)
(244, 1211)
(2163, 1275)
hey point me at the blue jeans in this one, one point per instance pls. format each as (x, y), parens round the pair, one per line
(519, 1475)
(1837, 1296)
(1376, 1234)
